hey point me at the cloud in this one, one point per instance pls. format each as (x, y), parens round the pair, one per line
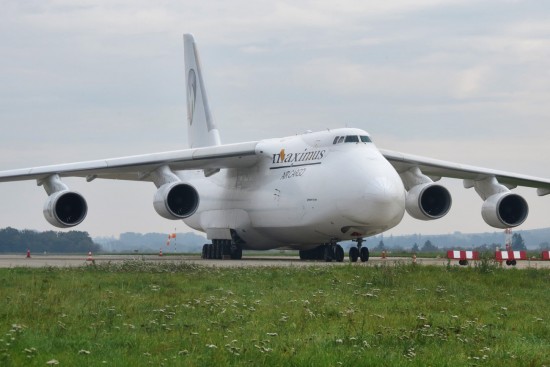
(471, 82)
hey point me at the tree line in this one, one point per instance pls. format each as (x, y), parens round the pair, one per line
(17, 241)
(518, 244)
(534, 239)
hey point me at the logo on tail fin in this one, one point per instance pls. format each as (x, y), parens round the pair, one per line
(191, 95)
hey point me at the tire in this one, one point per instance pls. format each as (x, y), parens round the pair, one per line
(329, 253)
(339, 253)
(353, 254)
(364, 254)
(226, 249)
(204, 251)
(237, 254)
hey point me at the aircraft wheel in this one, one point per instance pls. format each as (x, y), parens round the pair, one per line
(508, 262)
(329, 253)
(209, 250)
(237, 253)
(318, 253)
(513, 262)
(204, 251)
(353, 254)
(364, 253)
(339, 253)
(226, 249)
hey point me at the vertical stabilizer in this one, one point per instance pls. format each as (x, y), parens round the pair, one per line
(202, 131)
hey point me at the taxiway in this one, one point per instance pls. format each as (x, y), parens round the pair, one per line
(37, 261)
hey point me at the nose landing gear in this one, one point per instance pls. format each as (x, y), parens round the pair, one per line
(359, 252)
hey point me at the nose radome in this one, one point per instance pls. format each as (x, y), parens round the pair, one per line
(385, 201)
(381, 203)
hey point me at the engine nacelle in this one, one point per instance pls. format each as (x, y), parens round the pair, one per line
(176, 200)
(65, 209)
(428, 201)
(504, 210)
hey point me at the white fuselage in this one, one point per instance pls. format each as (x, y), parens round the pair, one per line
(306, 191)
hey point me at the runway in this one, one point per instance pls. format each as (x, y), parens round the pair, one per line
(38, 261)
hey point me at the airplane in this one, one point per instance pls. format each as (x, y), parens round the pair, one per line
(306, 192)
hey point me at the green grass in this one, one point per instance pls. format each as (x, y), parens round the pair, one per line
(139, 314)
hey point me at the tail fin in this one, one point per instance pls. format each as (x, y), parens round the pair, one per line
(201, 130)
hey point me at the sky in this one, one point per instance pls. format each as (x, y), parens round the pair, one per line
(464, 81)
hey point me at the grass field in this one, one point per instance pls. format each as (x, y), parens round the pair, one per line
(140, 314)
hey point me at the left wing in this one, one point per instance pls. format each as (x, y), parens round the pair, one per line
(427, 200)
(139, 167)
(436, 169)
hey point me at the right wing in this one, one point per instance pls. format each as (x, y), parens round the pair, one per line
(138, 167)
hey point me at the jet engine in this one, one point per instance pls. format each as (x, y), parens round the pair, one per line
(176, 200)
(65, 209)
(504, 210)
(428, 201)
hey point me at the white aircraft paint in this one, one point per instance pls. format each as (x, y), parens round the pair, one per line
(294, 192)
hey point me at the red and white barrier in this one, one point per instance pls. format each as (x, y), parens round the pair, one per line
(510, 255)
(463, 255)
(545, 255)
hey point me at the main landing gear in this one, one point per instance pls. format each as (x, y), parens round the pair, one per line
(334, 252)
(328, 252)
(222, 249)
(359, 252)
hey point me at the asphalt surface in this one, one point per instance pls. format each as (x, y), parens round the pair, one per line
(37, 261)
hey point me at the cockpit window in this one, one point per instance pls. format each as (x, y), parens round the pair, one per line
(352, 139)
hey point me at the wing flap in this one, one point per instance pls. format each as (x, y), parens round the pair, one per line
(136, 167)
(439, 168)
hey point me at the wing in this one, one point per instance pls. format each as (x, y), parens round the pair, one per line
(138, 167)
(436, 169)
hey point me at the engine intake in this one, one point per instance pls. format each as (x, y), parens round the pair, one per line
(65, 209)
(428, 201)
(505, 210)
(176, 200)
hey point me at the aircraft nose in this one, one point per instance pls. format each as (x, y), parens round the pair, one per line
(383, 202)
(379, 203)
